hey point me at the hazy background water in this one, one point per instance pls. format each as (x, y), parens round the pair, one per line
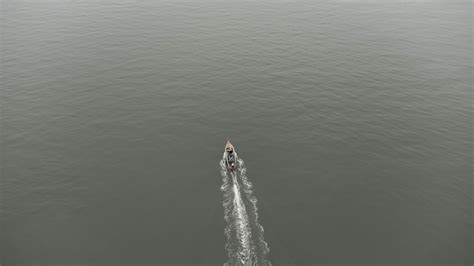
(354, 119)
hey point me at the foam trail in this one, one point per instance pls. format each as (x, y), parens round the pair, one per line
(261, 247)
(245, 243)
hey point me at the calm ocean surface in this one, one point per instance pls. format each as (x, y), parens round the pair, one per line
(354, 120)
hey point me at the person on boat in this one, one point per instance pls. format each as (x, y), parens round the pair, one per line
(230, 157)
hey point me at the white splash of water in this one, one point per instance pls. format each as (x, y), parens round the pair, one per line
(245, 243)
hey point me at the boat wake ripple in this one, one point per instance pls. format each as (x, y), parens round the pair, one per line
(245, 243)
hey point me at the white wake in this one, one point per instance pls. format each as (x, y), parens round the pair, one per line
(245, 243)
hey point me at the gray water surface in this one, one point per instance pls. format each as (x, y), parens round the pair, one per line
(354, 120)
